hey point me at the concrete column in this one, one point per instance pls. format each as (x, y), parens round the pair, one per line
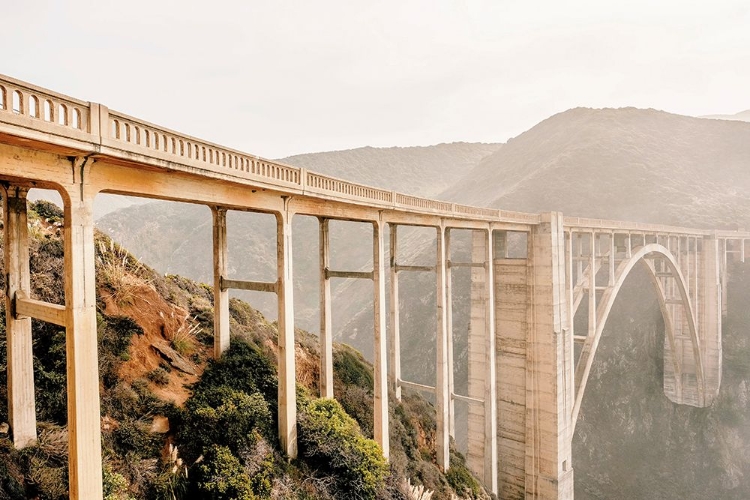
(549, 367)
(380, 423)
(723, 268)
(221, 297)
(326, 329)
(611, 260)
(477, 345)
(490, 387)
(394, 367)
(287, 390)
(742, 251)
(592, 285)
(570, 279)
(442, 391)
(20, 367)
(85, 452)
(711, 316)
(449, 336)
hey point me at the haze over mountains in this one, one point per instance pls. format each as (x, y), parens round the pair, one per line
(743, 116)
(630, 164)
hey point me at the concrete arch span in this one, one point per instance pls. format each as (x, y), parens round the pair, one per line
(674, 309)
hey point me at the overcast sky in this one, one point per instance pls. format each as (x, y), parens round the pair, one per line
(276, 78)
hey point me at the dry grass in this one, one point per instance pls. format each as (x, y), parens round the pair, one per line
(418, 492)
(119, 271)
(183, 339)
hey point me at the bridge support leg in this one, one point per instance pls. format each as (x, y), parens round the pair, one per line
(221, 297)
(442, 389)
(549, 368)
(710, 318)
(394, 367)
(20, 367)
(326, 328)
(449, 335)
(380, 365)
(490, 376)
(85, 453)
(287, 387)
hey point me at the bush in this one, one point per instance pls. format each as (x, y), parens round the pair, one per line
(222, 476)
(460, 479)
(47, 210)
(225, 417)
(333, 443)
(351, 368)
(115, 486)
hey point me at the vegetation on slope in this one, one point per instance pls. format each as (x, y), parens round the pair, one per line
(177, 424)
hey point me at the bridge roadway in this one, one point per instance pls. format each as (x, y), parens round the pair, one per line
(525, 387)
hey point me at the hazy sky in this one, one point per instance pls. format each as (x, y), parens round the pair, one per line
(276, 78)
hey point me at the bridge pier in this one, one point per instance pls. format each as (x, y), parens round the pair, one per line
(380, 352)
(326, 326)
(287, 393)
(20, 364)
(221, 294)
(84, 428)
(712, 301)
(534, 365)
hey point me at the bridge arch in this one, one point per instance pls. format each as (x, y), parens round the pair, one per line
(642, 255)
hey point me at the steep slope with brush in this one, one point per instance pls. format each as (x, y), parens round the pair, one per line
(178, 425)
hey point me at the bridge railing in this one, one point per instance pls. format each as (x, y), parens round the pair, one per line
(138, 136)
(614, 225)
(40, 109)
(324, 184)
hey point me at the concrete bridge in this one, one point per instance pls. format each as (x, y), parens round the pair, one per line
(530, 274)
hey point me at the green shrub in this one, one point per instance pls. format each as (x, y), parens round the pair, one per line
(460, 479)
(115, 486)
(47, 210)
(225, 417)
(50, 378)
(350, 367)
(332, 442)
(222, 477)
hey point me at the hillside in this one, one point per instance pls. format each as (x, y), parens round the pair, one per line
(422, 171)
(177, 425)
(629, 164)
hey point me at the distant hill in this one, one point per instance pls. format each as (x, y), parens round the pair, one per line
(743, 116)
(423, 171)
(631, 164)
